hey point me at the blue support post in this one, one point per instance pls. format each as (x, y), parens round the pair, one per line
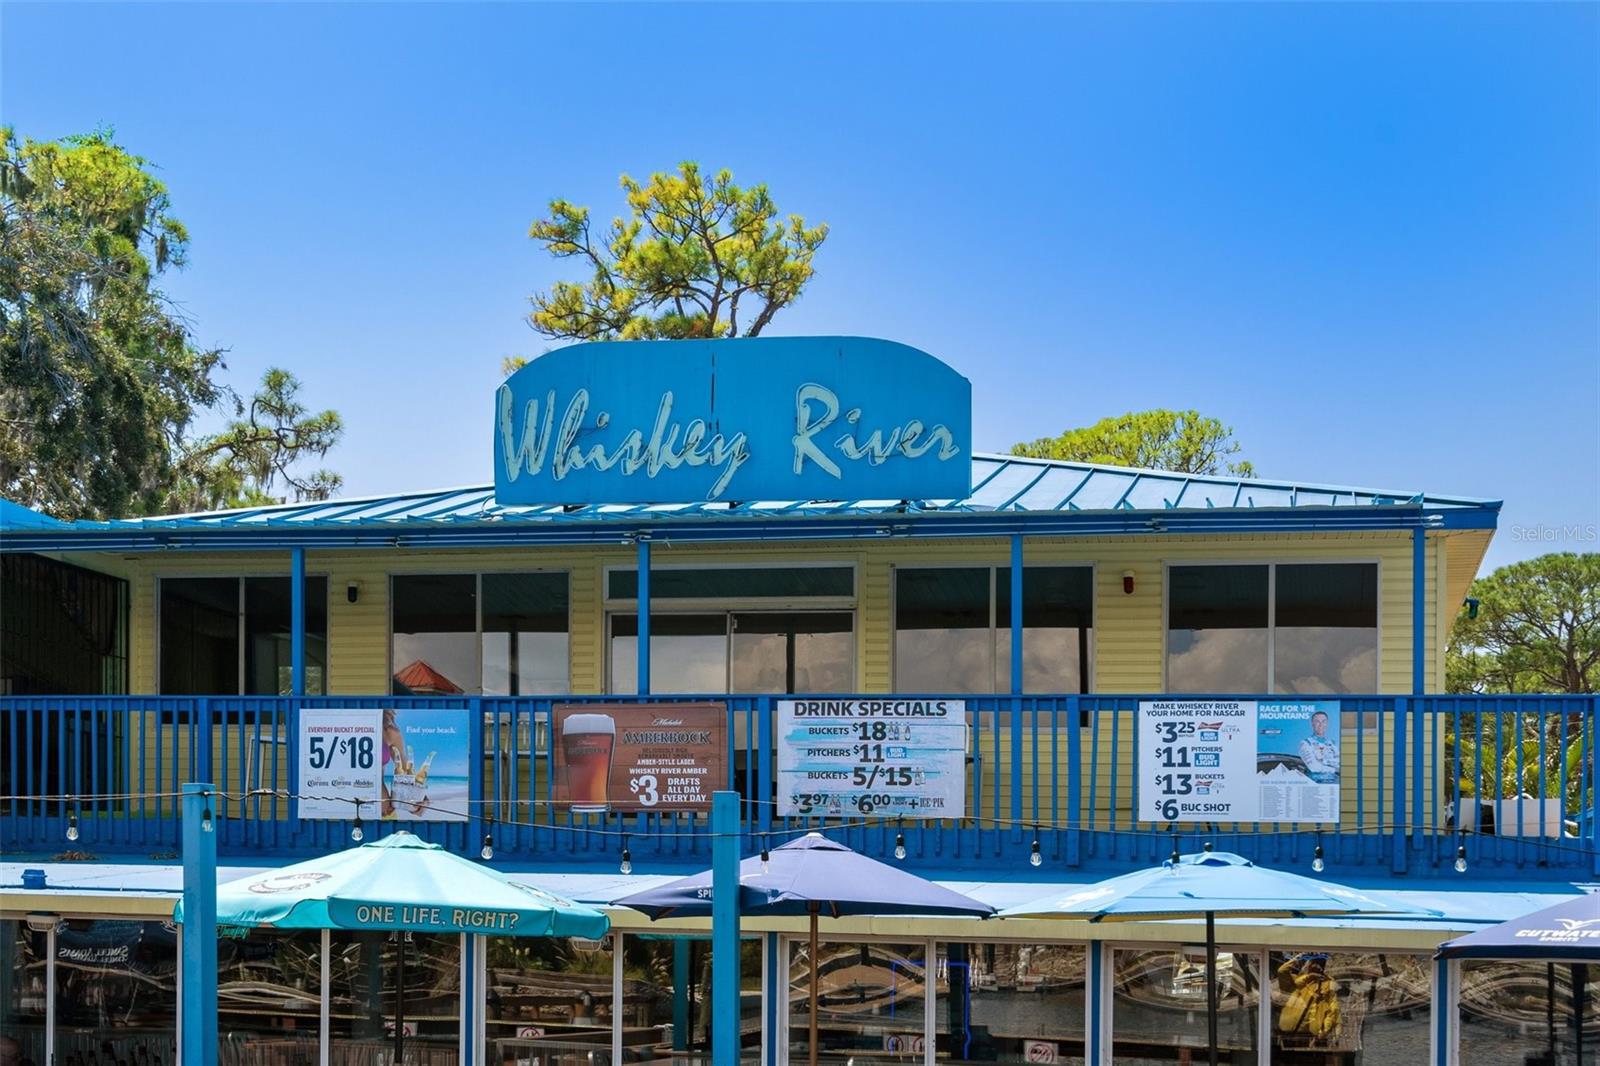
(1074, 776)
(725, 929)
(199, 927)
(1016, 679)
(644, 615)
(297, 621)
(776, 966)
(1397, 784)
(1094, 1032)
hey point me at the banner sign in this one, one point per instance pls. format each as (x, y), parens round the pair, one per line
(884, 757)
(640, 756)
(408, 764)
(762, 418)
(1239, 760)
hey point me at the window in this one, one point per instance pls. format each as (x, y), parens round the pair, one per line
(1158, 1005)
(1370, 1006)
(494, 634)
(63, 629)
(232, 635)
(1286, 628)
(771, 630)
(953, 629)
(1010, 1002)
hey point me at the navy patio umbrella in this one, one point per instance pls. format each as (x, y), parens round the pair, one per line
(810, 876)
(1567, 933)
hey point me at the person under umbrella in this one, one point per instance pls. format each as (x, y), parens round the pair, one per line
(811, 876)
(1204, 886)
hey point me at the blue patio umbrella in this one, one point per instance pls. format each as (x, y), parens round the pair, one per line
(1204, 885)
(813, 876)
(400, 883)
(1569, 933)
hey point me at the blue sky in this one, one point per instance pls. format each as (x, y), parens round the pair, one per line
(1367, 236)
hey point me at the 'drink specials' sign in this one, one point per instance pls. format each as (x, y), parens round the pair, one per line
(883, 757)
(1239, 760)
(748, 419)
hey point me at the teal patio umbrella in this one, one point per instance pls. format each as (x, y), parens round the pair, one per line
(1204, 885)
(401, 883)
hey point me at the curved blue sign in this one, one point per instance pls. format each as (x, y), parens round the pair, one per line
(763, 418)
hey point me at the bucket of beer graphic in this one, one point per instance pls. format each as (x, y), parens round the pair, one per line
(407, 790)
(587, 743)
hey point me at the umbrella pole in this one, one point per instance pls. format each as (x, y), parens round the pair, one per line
(400, 1002)
(1211, 984)
(813, 1056)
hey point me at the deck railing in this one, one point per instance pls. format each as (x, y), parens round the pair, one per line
(1512, 779)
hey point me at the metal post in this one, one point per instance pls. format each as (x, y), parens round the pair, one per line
(1397, 784)
(1095, 1036)
(1211, 984)
(297, 621)
(1016, 679)
(1442, 1005)
(680, 994)
(199, 927)
(324, 1018)
(724, 928)
(644, 616)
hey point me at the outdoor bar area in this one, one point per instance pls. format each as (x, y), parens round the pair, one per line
(983, 758)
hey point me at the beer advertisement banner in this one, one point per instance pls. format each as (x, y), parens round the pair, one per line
(640, 756)
(903, 758)
(406, 764)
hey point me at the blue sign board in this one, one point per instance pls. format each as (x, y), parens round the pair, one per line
(765, 418)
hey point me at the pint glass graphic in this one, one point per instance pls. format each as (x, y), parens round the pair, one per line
(587, 742)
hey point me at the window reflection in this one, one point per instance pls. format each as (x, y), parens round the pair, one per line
(116, 993)
(1326, 628)
(943, 633)
(688, 653)
(667, 999)
(869, 1001)
(1010, 1002)
(1158, 1010)
(435, 627)
(524, 634)
(368, 985)
(1350, 1006)
(782, 652)
(269, 996)
(547, 1000)
(1217, 629)
(1514, 1013)
(22, 991)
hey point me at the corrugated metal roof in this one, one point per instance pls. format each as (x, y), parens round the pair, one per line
(1002, 484)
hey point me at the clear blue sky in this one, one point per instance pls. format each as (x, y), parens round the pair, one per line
(1367, 236)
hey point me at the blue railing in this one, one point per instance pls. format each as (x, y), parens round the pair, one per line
(1512, 779)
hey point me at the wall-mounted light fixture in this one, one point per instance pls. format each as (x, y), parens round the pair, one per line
(1471, 605)
(352, 591)
(1127, 582)
(43, 923)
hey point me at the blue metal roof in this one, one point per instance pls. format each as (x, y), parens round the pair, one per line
(1009, 493)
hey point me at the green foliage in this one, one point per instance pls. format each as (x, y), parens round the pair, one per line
(101, 380)
(697, 256)
(1183, 441)
(1537, 630)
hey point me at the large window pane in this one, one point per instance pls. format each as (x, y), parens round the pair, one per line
(869, 1000)
(435, 623)
(547, 1000)
(1515, 1013)
(1325, 633)
(999, 1002)
(1217, 629)
(736, 582)
(1057, 616)
(268, 625)
(368, 984)
(116, 992)
(804, 652)
(1158, 1007)
(63, 629)
(199, 636)
(688, 653)
(22, 992)
(667, 999)
(269, 996)
(942, 640)
(525, 634)
(1372, 1007)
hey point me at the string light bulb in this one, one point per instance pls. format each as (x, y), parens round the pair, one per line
(1461, 858)
(488, 847)
(356, 832)
(72, 826)
(1034, 858)
(1176, 857)
(766, 861)
(1317, 863)
(1206, 847)
(627, 860)
(207, 825)
(900, 845)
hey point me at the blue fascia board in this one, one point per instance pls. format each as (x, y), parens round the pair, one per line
(509, 529)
